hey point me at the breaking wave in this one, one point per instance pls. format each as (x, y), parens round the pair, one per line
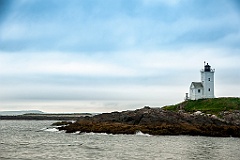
(101, 134)
(51, 130)
(139, 133)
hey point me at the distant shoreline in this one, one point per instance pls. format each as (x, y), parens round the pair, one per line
(44, 117)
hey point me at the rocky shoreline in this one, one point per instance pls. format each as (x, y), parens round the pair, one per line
(155, 121)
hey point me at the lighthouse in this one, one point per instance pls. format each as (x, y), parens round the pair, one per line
(205, 88)
(207, 78)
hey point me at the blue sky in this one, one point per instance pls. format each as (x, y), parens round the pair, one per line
(105, 55)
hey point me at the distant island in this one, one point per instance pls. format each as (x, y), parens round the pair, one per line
(39, 115)
(207, 117)
(14, 113)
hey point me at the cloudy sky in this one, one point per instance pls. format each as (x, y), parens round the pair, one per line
(108, 55)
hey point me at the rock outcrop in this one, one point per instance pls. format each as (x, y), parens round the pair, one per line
(231, 117)
(155, 121)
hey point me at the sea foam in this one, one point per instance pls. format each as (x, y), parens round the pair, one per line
(51, 130)
(139, 133)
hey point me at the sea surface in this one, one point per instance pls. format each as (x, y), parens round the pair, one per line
(38, 140)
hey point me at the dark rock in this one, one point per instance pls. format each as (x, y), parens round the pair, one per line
(62, 123)
(154, 121)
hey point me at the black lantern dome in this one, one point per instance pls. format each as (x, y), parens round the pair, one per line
(207, 68)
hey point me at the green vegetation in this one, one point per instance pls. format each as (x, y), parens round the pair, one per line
(209, 106)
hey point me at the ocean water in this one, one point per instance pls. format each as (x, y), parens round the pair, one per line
(38, 140)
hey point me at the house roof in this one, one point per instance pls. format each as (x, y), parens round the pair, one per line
(197, 84)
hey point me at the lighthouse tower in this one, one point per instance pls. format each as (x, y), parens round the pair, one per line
(207, 79)
(205, 88)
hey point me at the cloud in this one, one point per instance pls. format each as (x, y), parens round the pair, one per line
(82, 26)
(60, 63)
(123, 80)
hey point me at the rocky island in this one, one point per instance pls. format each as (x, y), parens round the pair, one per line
(207, 117)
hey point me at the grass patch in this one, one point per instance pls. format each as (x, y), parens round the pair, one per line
(211, 106)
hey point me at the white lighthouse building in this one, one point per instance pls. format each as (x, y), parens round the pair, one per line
(205, 88)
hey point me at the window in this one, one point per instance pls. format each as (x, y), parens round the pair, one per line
(209, 89)
(209, 79)
(199, 90)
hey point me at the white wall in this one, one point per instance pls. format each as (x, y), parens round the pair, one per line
(207, 79)
(194, 94)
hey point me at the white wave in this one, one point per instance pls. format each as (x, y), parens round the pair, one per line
(24, 143)
(139, 133)
(43, 129)
(101, 134)
(77, 132)
(60, 126)
(51, 130)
